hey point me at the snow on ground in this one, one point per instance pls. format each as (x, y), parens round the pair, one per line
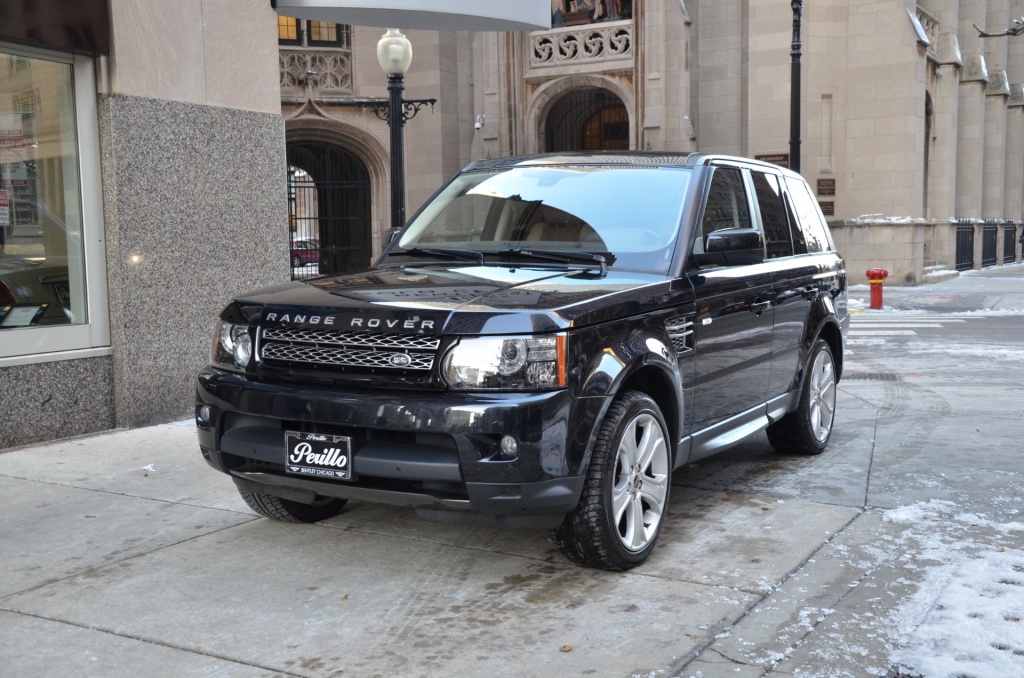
(966, 619)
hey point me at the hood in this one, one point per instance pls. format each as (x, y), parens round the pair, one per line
(459, 299)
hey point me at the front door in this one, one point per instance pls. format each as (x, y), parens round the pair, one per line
(733, 325)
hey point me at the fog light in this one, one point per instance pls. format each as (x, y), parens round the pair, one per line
(509, 447)
(203, 416)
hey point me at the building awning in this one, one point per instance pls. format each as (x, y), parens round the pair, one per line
(437, 15)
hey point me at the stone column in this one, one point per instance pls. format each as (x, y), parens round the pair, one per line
(971, 139)
(945, 123)
(997, 91)
(971, 129)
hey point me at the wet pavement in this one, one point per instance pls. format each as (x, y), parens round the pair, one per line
(124, 554)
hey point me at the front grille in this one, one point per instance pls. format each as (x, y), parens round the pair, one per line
(284, 345)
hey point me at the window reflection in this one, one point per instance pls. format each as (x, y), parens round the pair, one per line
(42, 270)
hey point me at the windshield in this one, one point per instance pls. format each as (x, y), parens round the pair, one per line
(629, 216)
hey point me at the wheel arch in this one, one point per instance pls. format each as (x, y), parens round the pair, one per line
(657, 384)
(833, 336)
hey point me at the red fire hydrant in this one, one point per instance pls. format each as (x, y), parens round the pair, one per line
(877, 276)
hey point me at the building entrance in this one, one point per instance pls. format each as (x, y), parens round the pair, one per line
(588, 119)
(328, 210)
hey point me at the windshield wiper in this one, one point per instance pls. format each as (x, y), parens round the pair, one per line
(560, 256)
(443, 252)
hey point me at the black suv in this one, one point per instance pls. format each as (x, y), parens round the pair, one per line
(540, 347)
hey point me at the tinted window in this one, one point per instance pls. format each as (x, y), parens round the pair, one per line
(807, 212)
(727, 202)
(773, 215)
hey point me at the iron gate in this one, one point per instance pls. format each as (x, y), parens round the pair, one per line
(989, 242)
(964, 246)
(1009, 242)
(329, 210)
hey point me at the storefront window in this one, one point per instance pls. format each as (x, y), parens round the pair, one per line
(44, 295)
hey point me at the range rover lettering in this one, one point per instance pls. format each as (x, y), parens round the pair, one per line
(539, 348)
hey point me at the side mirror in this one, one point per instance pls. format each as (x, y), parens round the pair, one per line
(389, 237)
(731, 247)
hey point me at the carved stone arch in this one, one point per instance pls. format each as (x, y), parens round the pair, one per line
(545, 96)
(363, 146)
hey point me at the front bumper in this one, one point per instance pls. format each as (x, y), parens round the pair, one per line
(437, 452)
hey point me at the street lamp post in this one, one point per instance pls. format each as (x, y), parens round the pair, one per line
(394, 53)
(794, 94)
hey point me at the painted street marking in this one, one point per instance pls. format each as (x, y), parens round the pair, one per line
(882, 333)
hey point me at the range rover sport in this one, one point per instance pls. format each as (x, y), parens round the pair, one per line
(539, 348)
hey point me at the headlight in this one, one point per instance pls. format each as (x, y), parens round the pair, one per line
(232, 347)
(506, 363)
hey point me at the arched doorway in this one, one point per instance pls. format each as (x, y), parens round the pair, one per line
(587, 119)
(329, 210)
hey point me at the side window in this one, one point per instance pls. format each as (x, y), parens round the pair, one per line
(773, 215)
(727, 202)
(810, 219)
(797, 233)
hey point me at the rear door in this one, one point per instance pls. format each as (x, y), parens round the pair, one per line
(733, 325)
(800, 279)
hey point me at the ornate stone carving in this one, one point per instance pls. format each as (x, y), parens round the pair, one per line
(329, 71)
(975, 69)
(947, 50)
(998, 84)
(593, 44)
(1016, 95)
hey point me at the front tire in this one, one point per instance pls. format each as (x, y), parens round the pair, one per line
(297, 261)
(625, 496)
(807, 429)
(269, 506)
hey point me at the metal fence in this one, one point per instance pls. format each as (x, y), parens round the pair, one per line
(1009, 242)
(989, 244)
(964, 246)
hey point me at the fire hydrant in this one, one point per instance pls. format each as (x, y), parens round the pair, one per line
(877, 276)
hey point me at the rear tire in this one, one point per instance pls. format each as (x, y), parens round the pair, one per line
(625, 495)
(297, 261)
(269, 506)
(807, 429)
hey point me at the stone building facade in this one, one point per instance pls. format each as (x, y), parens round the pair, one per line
(141, 162)
(156, 157)
(912, 124)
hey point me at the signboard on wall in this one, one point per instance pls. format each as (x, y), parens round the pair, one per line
(826, 187)
(5, 208)
(780, 159)
(12, 135)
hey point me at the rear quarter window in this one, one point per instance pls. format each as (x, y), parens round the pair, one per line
(811, 223)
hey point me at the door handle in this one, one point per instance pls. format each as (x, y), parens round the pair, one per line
(810, 293)
(760, 306)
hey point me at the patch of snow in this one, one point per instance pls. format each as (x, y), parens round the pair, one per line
(966, 619)
(1015, 355)
(884, 219)
(916, 513)
(151, 468)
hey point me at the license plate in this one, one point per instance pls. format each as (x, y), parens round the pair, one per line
(318, 454)
(63, 293)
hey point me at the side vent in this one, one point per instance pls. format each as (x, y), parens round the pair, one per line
(680, 331)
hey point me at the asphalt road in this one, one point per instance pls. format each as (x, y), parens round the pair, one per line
(123, 554)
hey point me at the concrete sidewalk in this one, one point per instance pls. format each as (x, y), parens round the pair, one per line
(124, 554)
(995, 289)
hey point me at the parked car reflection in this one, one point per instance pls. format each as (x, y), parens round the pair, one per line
(305, 251)
(34, 292)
